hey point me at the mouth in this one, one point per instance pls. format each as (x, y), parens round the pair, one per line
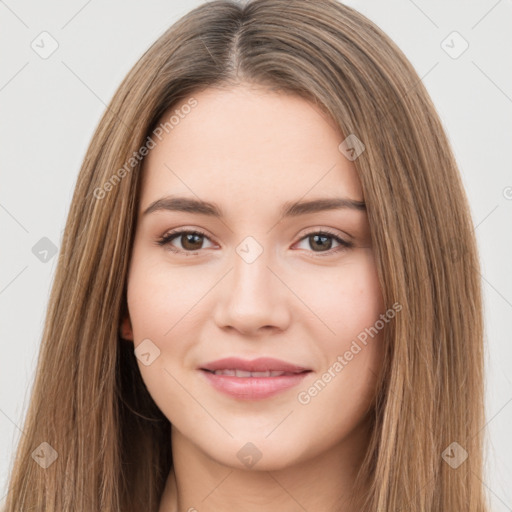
(244, 374)
(254, 366)
(252, 380)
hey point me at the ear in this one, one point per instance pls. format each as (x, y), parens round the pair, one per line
(125, 328)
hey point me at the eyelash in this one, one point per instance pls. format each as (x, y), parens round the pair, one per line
(169, 237)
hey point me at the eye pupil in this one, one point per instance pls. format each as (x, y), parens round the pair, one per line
(323, 238)
(189, 238)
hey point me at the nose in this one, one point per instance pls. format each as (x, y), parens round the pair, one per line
(252, 300)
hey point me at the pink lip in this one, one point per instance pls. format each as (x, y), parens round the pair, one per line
(261, 364)
(253, 388)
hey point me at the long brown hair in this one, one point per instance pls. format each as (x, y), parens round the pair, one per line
(89, 402)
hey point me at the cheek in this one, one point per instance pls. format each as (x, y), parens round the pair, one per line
(158, 301)
(350, 303)
(159, 296)
(347, 298)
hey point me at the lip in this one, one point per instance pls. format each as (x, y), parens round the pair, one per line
(261, 364)
(253, 388)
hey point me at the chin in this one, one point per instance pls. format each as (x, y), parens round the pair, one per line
(255, 453)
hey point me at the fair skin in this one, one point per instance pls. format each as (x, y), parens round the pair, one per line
(303, 300)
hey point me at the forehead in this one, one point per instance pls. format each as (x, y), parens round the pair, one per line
(245, 145)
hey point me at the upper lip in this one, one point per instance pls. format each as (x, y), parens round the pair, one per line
(261, 364)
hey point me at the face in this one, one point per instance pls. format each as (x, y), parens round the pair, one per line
(254, 281)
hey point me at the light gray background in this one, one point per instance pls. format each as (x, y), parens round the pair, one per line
(50, 108)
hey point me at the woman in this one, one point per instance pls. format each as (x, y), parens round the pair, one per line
(267, 293)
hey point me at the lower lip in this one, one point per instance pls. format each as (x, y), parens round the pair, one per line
(253, 388)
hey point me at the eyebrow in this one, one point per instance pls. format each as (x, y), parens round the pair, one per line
(289, 209)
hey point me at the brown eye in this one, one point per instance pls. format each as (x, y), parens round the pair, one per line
(189, 241)
(322, 242)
